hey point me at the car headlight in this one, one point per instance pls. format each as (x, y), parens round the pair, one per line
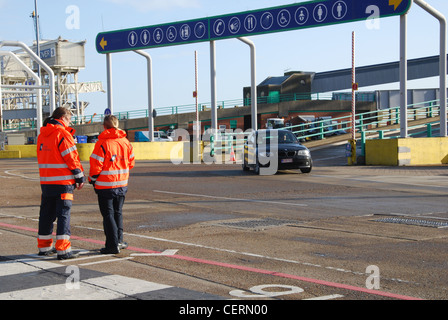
(304, 152)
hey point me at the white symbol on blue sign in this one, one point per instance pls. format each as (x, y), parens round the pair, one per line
(145, 37)
(267, 19)
(283, 18)
(250, 23)
(158, 35)
(219, 27)
(339, 10)
(199, 30)
(132, 38)
(234, 25)
(320, 12)
(171, 34)
(185, 32)
(107, 112)
(302, 15)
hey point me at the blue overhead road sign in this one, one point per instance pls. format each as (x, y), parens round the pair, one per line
(153, 36)
(276, 19)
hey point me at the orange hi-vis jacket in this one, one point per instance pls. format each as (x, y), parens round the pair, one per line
(59, 169)
(57, 155)
(111, 160)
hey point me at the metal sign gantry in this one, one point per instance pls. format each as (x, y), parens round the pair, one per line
(276, 19)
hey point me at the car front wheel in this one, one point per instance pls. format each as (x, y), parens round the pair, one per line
(306, 170)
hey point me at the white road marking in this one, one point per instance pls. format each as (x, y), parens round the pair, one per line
(20, 176)
(86, 258)
(233, 199)
(333, 296)
(60, 291)
(96, 288)
(126, 285)
(168, 252)
(105, 261)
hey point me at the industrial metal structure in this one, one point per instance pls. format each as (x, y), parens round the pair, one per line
(18, 82)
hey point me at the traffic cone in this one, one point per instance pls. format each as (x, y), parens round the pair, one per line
(232, 154)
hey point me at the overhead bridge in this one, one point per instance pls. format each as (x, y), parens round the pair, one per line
(375, 74)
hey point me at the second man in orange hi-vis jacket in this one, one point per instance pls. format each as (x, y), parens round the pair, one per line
(110, 163)
(60, 172)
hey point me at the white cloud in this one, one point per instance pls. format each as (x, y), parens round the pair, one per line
(148, 5)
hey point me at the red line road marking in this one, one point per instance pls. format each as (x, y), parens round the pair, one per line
(243, 268)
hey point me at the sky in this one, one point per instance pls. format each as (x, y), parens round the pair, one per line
(313, 50)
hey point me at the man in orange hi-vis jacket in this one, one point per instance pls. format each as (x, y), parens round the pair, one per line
(60, 172)
(110, 163)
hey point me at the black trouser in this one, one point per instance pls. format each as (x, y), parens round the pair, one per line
(111, 207)
(53, 207)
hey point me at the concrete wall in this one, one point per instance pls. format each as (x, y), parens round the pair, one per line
(26, 151)
(142, 151)
(407, 151)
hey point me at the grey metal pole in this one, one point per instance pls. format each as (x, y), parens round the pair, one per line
(150, 94)
(39, 62)
(110, 102)
(37, 34)
(196, 88)
(443, 63)
(253, 67)
(78, 115)
(1, 107)
(403, 77)
(213, 86)
(38, 87)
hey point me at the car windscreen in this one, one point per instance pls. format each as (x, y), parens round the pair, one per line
(279, 137)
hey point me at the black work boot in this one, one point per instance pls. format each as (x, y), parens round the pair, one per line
(69, 255)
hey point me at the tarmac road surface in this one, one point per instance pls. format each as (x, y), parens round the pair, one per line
(211, 232)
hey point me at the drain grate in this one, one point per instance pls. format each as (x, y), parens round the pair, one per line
(415, 222)
(256, 224)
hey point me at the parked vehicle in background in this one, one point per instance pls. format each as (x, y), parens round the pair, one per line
(275, 123)
(143, 136)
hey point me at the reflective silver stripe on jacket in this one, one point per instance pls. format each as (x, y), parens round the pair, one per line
(114, 172)
(131, 156)
(111, 184)
(66, 152)
(52, 166)
(58, 178)
(94, 156)
(79, 175)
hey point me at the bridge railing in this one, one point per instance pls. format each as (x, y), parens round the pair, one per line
(223, 104)
(365, 123)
